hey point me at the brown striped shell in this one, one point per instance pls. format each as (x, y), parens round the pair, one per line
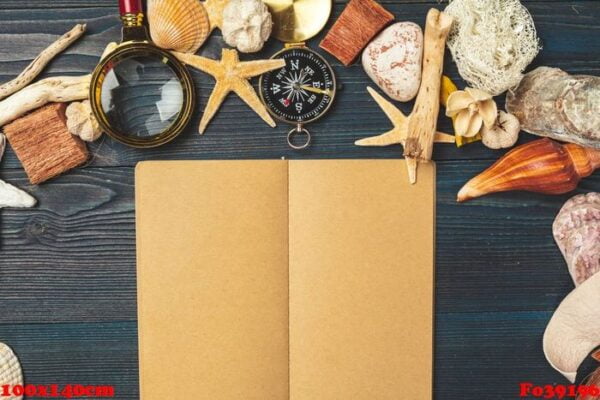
(180, 25)
(541, 166)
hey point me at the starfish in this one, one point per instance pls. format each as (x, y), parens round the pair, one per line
(399, 133)
(214, 9)
(232, 76)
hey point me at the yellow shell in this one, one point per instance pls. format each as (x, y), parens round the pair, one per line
(180, 25)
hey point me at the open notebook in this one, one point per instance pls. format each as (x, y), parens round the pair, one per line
(285, 280)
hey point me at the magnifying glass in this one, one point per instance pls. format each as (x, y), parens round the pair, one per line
(141, 95)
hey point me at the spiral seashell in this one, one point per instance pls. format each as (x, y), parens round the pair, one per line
(180, 25)
(10, 370)
(541, 166)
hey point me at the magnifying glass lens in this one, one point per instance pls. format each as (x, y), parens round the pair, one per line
(141, 95)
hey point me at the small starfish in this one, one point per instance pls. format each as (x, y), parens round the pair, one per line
(400, 131)
(232, 75)
(214, 9)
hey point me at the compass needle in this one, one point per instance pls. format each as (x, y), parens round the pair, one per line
(300, 93)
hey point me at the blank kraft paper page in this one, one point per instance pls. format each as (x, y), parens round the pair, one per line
(276, 280)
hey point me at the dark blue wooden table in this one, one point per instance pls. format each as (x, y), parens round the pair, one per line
(67, 267)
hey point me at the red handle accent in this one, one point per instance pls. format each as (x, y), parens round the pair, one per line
(130, 6)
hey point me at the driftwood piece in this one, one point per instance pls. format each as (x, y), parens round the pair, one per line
(418, 131)
(40, 62)
(57, 89)
(360, 21)
(422, 123)
(44, 145)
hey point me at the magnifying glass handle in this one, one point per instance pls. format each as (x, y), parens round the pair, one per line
(130, 7)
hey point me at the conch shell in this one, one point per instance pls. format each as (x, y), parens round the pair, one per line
(180, 25)
(542, 166)
(470, 110)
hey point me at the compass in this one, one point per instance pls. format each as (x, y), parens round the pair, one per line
(300, 92)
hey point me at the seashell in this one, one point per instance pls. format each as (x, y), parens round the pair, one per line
(574, 330)
(180, 25)
(576, 230)
(541, 166)
(10, 370)
(549, 102)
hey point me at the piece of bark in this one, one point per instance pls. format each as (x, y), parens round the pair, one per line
(360, 21)
(38, 64)
(44, 145)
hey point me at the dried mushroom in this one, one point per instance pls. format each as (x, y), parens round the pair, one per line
(247, 25)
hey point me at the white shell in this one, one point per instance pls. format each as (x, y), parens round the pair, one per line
(10, 370)
(180, 25)
(11, 196)
(393, 60)
(247, 25)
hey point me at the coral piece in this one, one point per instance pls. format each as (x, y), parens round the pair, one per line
(44, 145)
(470, 110)
(180, 25)
(576, 230)
(492, 42)
(10, 370)
(40, 62)
(232, 76)
(550, 102)
(82, 122)
(393, 60)
(542, 166)
(360, 21)
(247, 25)
(400, 121)
(215, 9)
(503, 134)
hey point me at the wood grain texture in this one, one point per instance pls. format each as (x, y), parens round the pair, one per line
(566, 29)
(73, 257)
(67, 267)
(478, 355)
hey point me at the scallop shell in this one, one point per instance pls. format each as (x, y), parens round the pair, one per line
(10, 370)
(180, 25)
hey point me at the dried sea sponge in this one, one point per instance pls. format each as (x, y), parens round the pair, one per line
(492, 42)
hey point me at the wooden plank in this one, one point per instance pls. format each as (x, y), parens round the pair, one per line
(487, 355)
(73, 257)
(567, 31)
(86, 354)
(478, 355)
